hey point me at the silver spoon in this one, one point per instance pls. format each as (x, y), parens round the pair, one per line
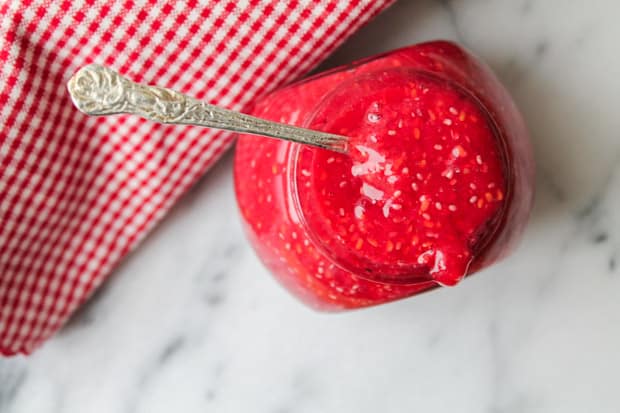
(98, 90)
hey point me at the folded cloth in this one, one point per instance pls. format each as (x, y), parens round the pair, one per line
(78, 193)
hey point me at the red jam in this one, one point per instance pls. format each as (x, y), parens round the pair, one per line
(436, 185)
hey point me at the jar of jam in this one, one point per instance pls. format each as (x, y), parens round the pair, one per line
(437, 182)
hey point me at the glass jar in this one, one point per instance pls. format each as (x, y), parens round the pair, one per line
(437, 183)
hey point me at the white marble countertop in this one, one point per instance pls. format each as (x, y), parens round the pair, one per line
(191, 322)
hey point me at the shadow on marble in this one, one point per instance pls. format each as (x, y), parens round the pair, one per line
(85, 314)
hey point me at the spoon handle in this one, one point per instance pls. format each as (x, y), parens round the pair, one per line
(98, 90)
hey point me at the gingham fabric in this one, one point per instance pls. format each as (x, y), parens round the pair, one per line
(78, 193)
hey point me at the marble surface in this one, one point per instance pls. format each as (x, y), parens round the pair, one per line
(191, 322)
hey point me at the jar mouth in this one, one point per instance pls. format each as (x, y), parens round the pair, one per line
(408, 272)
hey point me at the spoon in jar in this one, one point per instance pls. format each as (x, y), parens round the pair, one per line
(98, 90)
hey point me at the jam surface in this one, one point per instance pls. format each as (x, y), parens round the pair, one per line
(436, 185)
(422, 186)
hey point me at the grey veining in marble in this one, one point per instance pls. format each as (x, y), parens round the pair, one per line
(191, 322)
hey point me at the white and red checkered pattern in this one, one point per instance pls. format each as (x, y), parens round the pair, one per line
(78, 193)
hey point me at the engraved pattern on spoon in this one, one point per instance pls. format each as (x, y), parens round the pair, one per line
(98, 90)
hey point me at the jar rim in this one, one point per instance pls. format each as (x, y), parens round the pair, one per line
(408, 274)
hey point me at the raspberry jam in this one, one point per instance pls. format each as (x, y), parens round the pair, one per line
(437, 182)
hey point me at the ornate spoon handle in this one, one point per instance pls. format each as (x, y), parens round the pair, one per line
(98, 90)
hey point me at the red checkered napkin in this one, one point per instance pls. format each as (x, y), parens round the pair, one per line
(78, 193)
